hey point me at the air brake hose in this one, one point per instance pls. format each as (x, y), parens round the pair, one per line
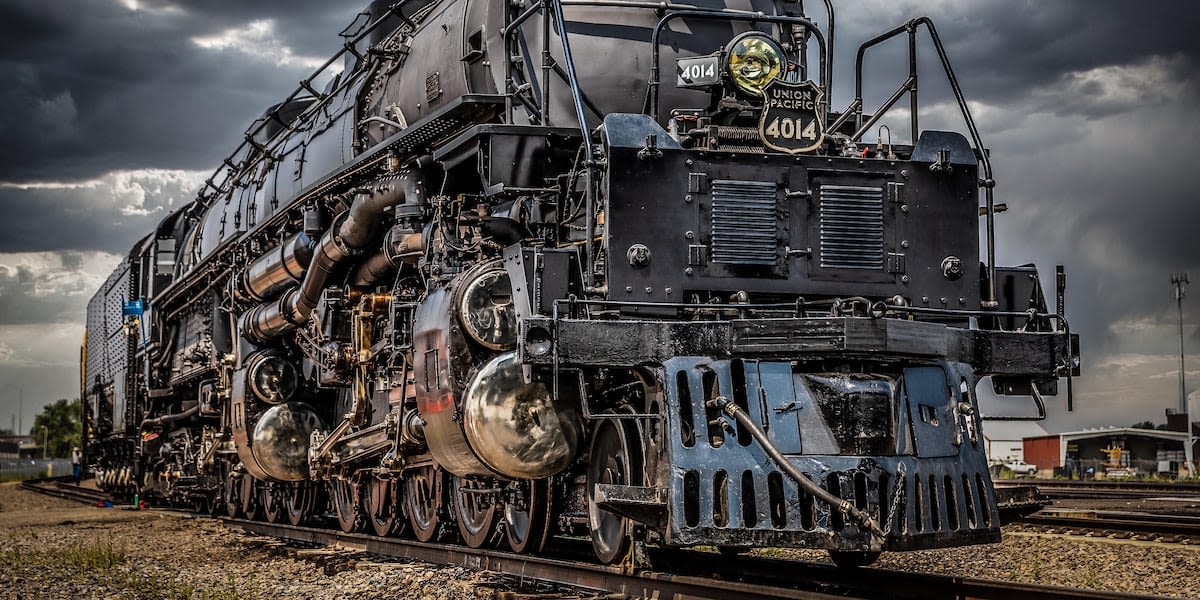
(728, 407)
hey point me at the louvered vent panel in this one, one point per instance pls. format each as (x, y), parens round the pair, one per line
(744, 223)
(852, 227)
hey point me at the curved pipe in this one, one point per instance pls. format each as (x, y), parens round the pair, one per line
(372, 270)
(168, 347)
(350, 234)
(728, 407)
(171, 418)
(399, 248)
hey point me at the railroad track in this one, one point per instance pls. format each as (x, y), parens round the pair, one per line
(61, 488)
(687, 573)
(1105, 489)
(1118, 524)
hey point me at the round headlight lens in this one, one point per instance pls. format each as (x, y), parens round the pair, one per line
(272, 379)
(487, 309)
(753, 60)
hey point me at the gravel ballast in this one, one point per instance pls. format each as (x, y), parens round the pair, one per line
(51, 548)
(54, 548)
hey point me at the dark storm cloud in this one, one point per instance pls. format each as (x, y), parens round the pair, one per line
(108, 214)
(1103, 182)
(54, 293)
(1001, 49)
(47, 220)
(95, 86)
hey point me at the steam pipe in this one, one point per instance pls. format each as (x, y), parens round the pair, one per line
(330, 252)
(399, 248)
(372, 270)
(282, 266)
(267, 321)
(590, 153)
(350, 234)
(172, 418)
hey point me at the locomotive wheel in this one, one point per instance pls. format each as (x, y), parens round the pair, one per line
(299, 502)
(527, 521)
(272, 496)
(343, 495)
(231, 492)
(851, 559)
(208, 505)
(422, 502)
(615, 458)
(248, 497)
(380, 504)
(475, 512)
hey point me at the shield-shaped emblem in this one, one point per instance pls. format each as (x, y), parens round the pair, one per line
(793, 119)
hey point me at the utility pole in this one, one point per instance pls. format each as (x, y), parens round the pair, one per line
(1180, 280)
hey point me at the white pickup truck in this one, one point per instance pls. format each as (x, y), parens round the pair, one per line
(1020, 467)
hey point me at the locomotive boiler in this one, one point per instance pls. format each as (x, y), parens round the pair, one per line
(611, 268)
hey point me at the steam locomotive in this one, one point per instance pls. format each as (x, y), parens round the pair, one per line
(608, 268)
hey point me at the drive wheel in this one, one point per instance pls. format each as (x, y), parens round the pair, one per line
(343, 495)
(422, 502)
(230, 491)
(209, 505)
(527, 519)
(272, 496)
(248, 497)
(615, 458)
(380, 504)
(475, 510)
(299, 502)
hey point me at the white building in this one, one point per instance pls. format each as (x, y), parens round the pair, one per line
(1002, 440)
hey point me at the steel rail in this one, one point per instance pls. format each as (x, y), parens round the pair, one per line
(643, 584)
(710, 575)
(1119, 521)
(1105, 489)
(58, 487)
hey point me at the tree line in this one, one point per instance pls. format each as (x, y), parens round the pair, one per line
(58, 426)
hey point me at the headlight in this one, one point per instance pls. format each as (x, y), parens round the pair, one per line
(271, 378)
(486, 308)
(753, 60)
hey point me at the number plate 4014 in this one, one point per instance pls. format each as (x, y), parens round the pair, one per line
(702, 71)
(793, 119)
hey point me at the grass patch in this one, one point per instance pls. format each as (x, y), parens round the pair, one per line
(99, 557)
(104, 563)
(78, 558)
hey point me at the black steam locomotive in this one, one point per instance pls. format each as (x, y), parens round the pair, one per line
(605, 267)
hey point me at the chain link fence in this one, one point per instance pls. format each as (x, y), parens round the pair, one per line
(14, 469)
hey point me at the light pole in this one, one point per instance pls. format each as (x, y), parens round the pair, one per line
(45, 440)
(1180, 280)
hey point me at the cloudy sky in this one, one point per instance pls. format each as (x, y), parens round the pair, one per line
(115, 110)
